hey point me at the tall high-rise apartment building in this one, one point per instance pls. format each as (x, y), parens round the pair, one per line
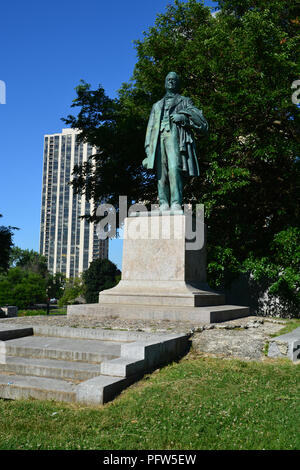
(68, 242)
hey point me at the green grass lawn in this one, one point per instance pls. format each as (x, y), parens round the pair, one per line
(290, 326)
(198, 403)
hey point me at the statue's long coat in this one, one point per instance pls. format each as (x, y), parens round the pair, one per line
(183, 133)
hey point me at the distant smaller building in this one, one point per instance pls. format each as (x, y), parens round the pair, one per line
(68, 242)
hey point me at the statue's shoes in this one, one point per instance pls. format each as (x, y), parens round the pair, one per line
(164, 208)
(176, 207)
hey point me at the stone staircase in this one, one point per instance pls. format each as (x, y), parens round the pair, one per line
(79, 364)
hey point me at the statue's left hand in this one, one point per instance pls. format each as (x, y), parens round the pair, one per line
(178, 118)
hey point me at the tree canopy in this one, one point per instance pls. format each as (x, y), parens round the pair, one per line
(102, 274)
(73, 290)
(27, 280)
(238, 66)
(6, 243)
(28, 260)
(22, 288)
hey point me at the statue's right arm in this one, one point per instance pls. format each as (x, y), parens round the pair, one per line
(149, 131)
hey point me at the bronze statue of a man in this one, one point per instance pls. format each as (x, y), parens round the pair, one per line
(169, 143)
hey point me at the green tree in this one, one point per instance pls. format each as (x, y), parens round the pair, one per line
(102, 274)
(6, 244)
(279, 271)
(22, 288)
(238, 66)
(55, 285)
(28, 260)
(73, 289)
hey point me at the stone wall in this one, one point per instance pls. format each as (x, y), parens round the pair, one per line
(246, 291)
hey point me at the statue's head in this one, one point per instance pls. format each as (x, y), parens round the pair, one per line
(172, 82)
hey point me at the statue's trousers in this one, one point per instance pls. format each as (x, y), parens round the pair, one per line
(169, 169)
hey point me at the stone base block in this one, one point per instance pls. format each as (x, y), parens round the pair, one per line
(160, 293)
(197, 315)
(287, 346)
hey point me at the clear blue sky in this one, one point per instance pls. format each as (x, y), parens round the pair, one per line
(46, 48)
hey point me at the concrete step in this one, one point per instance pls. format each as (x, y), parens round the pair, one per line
(79, 365)
(21, 387)
(56, 369)
(66, 349)
(97, 390)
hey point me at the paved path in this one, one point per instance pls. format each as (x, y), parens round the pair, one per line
(244, 338)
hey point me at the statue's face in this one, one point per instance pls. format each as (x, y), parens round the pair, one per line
(172, 82)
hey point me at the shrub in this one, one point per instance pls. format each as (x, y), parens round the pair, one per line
(22, 288)
(102, 274)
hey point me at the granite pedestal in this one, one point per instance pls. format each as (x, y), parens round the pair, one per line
(163, 274)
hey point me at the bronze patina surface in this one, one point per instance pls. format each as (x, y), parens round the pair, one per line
(169, 143)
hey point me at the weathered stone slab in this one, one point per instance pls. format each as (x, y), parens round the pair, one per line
(287, 345)
(198, 315)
